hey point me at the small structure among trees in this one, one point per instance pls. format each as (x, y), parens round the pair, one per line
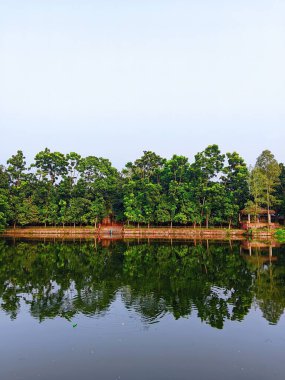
(257, 217)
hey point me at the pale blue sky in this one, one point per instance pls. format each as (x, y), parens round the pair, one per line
(114, 78)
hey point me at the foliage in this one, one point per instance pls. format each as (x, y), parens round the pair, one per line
(271, 171)
(68, 189)
(280, 235)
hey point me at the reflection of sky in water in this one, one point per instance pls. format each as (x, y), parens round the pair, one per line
(121, 345)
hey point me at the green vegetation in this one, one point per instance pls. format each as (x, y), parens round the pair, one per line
(58, 189)
(280, 235)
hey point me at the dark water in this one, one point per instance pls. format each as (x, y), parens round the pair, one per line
(130, 310)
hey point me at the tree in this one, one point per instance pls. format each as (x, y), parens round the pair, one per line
(4, 208)
(150, 196)
(50, 164)
(257, 190)
(98, 180)
(176, 169)
(280, 190)
(20, 189)
(205, 171)
(147, 167)
(78, 211)
(165, 210)
(132, 202)
(235, 178)
(270, 170)
(96, 210)
(4, 196)
(28, 212)
(16, 168)
(73, 163)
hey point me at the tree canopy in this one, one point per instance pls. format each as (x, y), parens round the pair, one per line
(68, 189)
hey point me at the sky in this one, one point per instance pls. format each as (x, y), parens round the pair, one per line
(113, 78)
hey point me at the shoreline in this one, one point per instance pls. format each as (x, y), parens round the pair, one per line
(116, 232)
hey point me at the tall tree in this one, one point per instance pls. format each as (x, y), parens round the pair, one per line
(19, 188)
(4, 198)
(270, 170)
(147, 167)
(50, 164)
(98, 180)
(257, 191)
(280, 191)
(235, 179)
(16, 168)
(206, 170)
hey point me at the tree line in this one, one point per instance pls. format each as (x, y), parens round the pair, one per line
(68, 189)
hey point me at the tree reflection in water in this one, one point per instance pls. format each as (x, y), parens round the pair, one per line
(214, 281)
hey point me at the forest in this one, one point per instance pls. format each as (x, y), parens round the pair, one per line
(67, 189)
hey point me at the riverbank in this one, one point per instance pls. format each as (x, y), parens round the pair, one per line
(124, 232)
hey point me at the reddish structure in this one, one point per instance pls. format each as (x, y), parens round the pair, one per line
(107, 221)
(109, 227)
(257, 218)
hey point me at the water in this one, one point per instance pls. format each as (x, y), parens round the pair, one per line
(139, 310)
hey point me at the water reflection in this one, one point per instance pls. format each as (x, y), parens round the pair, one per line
(219, 281)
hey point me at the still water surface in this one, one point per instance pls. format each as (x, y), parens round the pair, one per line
(129, 310)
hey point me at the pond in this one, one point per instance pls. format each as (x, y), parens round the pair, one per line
(141, 310)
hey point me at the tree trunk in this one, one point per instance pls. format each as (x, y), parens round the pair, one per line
(268, 213)
(270, 252)
(171, 225)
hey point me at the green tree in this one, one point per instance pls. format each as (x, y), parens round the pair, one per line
(235, 178)
(270, 170)
(51, 165)
(96, 211)
(257, 191)
(28, 212)
(132, 202)
(20, 190)
(16, 168)
(98, 180)
(4, 197)
(205, 171)
(280, 190)
(147, 167)
(79, 211)
(4, 209)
